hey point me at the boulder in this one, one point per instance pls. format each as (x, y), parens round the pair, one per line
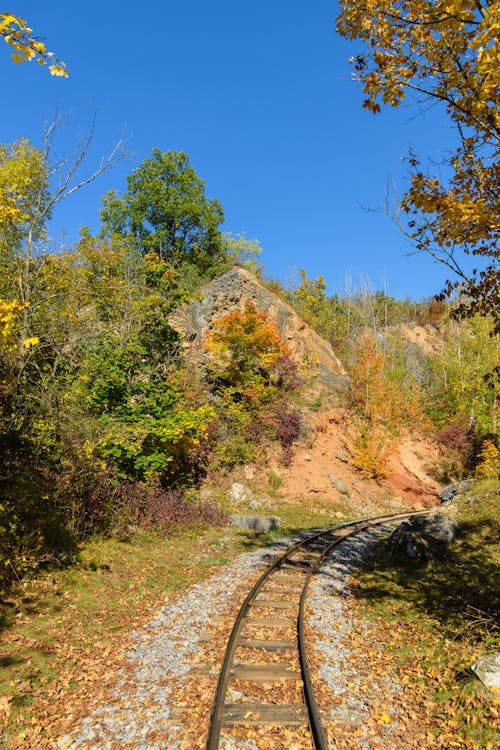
(487, 669)
(424, 538)
(259, 524)
(249, 472)
(458, 488)
(343, 456)
(238, 493)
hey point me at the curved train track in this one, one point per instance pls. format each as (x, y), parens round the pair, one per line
(288, 575)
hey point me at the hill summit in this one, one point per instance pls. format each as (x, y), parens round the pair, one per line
(233, 291)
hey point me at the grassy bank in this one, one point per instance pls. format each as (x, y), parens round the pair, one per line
(434, 619)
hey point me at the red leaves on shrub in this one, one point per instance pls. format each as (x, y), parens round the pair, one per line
(150, 506)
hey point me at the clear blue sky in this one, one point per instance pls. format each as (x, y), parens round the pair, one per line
(259, 95)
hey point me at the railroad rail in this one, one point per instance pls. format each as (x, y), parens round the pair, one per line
(293, 568)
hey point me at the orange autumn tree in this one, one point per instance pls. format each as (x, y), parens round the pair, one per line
(248, 343)
(383, 406)
(443, 52)
(252, 375)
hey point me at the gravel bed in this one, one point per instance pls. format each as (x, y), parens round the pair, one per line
(163, 650)
(334, 623)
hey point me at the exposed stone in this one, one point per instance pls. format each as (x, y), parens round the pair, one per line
(487, 669)
(424, 538)
(344, 715)
(238, 493)
(249, 472)
(260, 524)
(340, 485)
(232, 291)
(458, 488)
(253, 504)
(342, 456)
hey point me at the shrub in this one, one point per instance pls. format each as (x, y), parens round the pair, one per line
(457, 440)
(287, 430)
(488, 466)
(150, 506)
(371, 447)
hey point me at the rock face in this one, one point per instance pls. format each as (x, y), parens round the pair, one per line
(424, 538)
(232, 291)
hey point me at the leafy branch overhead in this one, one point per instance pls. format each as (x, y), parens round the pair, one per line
(442, 53)
(16, 33)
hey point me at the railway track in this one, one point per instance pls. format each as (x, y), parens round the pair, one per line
(276, 604)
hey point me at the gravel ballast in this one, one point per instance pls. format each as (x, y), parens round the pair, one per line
(139, 712)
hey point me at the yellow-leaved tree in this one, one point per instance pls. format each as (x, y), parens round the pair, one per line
(18, 35)
(442, 51)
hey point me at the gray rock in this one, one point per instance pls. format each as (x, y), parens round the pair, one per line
(424, 538)
(344, 715)
(487, 669)
(232, 291)
(260, 524)
(253, 504)
(239, 493)
(342, 456)
(458, 488)
(340, 485)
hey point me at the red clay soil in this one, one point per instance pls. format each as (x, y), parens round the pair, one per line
(325, 454)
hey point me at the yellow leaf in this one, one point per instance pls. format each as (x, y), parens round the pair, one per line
(58, 70)
(384, 718)
(31, 342)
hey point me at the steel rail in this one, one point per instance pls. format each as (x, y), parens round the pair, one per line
(224, 674)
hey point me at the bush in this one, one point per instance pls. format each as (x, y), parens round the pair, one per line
(167, 511)
(287, 430)
(457, 440)
(99, 501)
(488, 466)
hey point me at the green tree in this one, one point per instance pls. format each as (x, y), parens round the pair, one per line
(244, 252)
(165, 211)
(447, 53)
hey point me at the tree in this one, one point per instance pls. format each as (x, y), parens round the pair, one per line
(165, 210)
(446, 52)
(32, 183)
(23, 194)
(16, 33)
(244, 252)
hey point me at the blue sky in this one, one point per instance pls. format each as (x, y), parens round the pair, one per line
(259, 95)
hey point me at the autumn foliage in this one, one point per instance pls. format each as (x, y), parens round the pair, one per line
(382, 406)
(248, 341)
(253, 375)
(18, 35)
(443, 53)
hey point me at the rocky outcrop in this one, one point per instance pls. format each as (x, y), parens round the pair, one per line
(424, 538)
(453, 491)
(232, 291)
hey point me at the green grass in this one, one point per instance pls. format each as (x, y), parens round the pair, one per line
(56, 627)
